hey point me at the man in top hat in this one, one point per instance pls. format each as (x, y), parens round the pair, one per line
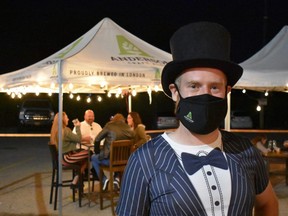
(198, 169)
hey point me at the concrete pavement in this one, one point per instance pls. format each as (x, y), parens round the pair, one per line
(25, 178)
(25, 173)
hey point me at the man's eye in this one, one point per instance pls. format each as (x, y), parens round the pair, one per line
(193, 86)
(214, 87)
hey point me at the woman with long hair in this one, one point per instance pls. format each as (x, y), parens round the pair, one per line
(135, 122)
(70, 153)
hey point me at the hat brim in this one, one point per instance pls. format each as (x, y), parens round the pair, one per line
(174, 69)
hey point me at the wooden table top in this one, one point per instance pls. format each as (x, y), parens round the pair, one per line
(281, 154)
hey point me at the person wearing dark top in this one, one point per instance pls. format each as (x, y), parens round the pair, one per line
(198, 169)
(115, 129)
(135, 122)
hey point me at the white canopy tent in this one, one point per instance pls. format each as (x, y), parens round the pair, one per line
(267, 70)
(105, 59)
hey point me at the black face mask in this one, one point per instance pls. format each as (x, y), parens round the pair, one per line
(201, 114)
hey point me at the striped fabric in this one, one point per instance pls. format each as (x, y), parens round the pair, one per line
(154, 182)
(77, 156)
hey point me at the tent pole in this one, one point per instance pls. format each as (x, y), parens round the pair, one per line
(227, 118)
(60, 115)
(129, 103)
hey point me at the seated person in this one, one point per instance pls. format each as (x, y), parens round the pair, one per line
(115, 129)
(88, 127)
(259, 142)
(135, 122)
(71, 155)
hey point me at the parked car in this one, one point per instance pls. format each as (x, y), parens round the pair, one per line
(240, 119)
(36, 112)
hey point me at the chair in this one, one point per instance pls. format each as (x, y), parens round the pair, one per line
(119, 155)
(76, 170)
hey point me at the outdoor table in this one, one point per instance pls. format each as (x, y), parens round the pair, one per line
(281, 156)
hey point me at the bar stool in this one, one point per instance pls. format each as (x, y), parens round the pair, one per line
(74, 168)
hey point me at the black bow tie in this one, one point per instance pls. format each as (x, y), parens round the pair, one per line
(192, 163)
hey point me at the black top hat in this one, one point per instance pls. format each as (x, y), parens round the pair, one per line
(201, 44)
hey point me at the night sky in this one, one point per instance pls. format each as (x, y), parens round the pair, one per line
(35, 29)
(32, 30)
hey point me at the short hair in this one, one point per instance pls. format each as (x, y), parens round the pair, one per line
(118, 117)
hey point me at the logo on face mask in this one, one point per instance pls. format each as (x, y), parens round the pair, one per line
(188, 117)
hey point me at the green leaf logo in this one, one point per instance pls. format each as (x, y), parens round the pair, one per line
(128, 48)
(64, 52)
(188, 117)
(157, 73)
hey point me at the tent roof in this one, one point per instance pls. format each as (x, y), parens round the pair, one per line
(268, 68)
(105, 58)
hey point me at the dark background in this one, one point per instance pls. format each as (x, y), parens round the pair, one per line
(33, 30)
(275, 112)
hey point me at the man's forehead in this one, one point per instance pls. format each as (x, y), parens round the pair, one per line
(203, 73)
(89, 114)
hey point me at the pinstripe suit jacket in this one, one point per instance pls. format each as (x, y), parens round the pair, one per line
(155, 183)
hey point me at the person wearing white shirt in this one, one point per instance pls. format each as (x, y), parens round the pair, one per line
(88, 127)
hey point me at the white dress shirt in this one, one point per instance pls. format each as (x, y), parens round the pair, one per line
(89, 130)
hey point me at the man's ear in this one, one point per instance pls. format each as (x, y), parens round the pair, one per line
(174, 92)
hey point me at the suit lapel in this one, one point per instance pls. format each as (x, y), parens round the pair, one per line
(184, 193)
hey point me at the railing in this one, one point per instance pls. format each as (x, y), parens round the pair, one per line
(280, 135)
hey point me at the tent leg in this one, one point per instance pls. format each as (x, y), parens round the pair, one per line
(227, 118)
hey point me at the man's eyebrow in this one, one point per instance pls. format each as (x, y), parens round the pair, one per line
(192, 82)
(217, 83)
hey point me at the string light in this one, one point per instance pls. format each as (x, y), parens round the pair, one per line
(12, 95)
(71, 95)
(88, 100)
(156, 88)
(244, 91)
(109, 94)
(258, 108)
(134, 93)
(78, 98)
(266, 93)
